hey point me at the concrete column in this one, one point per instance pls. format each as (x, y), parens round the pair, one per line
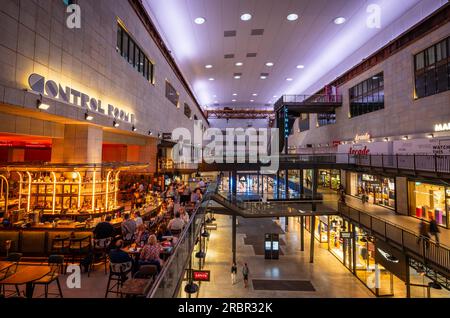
(315, 177)
(302, 233)
(302, 180)
(81, 144)
(16, 154)
(233, 242)
(312, 229)
(149, 153)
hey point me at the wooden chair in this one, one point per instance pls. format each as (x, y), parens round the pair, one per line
(56, 262)
(101, 246)
(118, 273)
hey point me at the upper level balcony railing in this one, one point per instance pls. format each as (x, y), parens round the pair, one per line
(427, 163)
(317, 99)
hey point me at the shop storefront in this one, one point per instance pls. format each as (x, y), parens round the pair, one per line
(329, 178)
(379, 190)
(321, 230)
(429, 201)
(339, 242)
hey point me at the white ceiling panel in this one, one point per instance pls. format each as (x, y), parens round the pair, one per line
(326, 49)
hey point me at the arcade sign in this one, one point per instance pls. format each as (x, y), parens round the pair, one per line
(201, 276)
(364, 137)
(77, 98)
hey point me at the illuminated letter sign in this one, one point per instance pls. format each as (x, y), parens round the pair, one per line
(442, 127)
(69, 95)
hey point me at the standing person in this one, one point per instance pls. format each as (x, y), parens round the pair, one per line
(434, 229)
(245, 273)
(233, 273)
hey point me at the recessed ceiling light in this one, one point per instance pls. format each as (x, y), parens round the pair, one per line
(292, 17)
(339, 20)
(300, 66)
(234, 94)
(238, 63)
(254, 94)
(211, 79)
(274, 96)
(237, 76)
(269, 64)
(200, 20)
(208, 66)
(233, 100)
(251, 100)
(288, 79)
(215, 101)
(246, 17)
(263, 77)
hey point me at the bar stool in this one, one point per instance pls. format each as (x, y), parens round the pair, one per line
(101, 246)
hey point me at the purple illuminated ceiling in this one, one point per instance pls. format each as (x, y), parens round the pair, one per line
(324, 48)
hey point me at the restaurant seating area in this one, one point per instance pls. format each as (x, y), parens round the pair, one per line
(38, 263)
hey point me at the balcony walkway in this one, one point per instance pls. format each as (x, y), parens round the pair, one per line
(405, 222)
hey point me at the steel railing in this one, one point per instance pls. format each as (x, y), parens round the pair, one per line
(427, 163)
(168, 280)
(425, 250)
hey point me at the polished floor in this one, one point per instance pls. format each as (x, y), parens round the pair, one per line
(328, 277)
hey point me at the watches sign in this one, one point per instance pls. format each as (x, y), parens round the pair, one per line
(72, 96)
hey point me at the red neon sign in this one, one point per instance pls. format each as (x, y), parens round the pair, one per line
(203, 276)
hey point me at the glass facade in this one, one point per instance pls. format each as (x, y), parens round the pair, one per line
(329, 178)
(379, 190)
(428, 201)
(133, 54)
(432, 70)
(367, 96)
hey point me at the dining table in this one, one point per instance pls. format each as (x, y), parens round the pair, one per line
(26, 275)
(5, 265)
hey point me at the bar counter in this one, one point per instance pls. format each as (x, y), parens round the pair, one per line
(36, 240)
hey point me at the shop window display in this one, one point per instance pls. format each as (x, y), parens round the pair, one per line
(329, 179)
(429, 201)
(338, 246)
(379, 190)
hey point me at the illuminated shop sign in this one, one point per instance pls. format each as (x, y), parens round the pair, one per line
(77, 98)
(202, 276)
(364, 137)
(442, 127)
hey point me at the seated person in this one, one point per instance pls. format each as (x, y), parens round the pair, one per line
(176, 224)
(128, 228)
(104, 229)
(162, 231)
(150, 253)
(183, 215)
(196, 195)
(142, 234)
(117, 256)
(137, 218)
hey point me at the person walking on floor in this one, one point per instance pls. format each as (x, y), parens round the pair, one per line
(233, 273)
(245, 273)
(434, 229)
(423, 232)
